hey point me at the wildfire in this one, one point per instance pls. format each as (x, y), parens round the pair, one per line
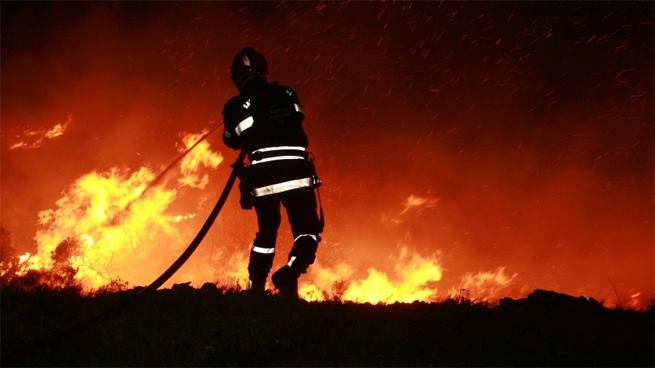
(109, 224)
(106, 223)
(80, 233)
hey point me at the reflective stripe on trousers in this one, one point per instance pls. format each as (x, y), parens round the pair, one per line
(263, 250)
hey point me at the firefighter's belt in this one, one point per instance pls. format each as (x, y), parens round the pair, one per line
(286, 186)
(266, 156)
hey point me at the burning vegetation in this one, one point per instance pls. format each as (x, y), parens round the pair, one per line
(106, 224)
(103, 224)
(105, 221)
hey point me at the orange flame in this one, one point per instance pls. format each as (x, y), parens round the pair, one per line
(485, 285)
(415, 278)
(79, 228)
(413, 204)
(23, 258)
(32, 139)
(418, 203)
(201, 155)
(103, 224)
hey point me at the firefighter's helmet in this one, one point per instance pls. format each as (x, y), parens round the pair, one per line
(247, 63)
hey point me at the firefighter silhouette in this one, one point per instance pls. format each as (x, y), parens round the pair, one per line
(265, 120)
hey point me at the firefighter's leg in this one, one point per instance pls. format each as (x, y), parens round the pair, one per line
(301, 208)
(263, 248)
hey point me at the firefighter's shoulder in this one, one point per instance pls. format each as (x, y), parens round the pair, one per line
(287, 90)
(234, 103)
(236, 109)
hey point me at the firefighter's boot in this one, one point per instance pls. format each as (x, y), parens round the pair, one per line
(302, 255)
(285, 281)
(261, 260)
(257, 287)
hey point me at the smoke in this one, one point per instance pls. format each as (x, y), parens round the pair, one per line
(500, 135)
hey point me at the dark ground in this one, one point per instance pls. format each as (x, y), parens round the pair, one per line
(185, 326)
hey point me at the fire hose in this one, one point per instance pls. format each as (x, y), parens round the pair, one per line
(26, 351)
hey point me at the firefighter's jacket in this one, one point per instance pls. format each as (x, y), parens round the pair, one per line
(265, 120)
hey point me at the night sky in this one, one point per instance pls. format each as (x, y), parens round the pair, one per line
(524, 129)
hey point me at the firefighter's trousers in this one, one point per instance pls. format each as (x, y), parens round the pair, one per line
(300, 205)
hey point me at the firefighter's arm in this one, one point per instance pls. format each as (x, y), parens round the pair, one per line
(295, 102)
(233, 124)
(230, 140)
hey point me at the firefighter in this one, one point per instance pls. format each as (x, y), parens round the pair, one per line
(265, 120)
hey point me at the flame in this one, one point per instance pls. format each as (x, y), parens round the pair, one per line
(180, 218)
(635, 303)
(233, 269)
(412, 204)
(201, 155)
(418, 203)
(80, 230)
(58, 130)
(106, 223)
(23, 258)
(414, 279)
(485, 285)
(34, 138)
